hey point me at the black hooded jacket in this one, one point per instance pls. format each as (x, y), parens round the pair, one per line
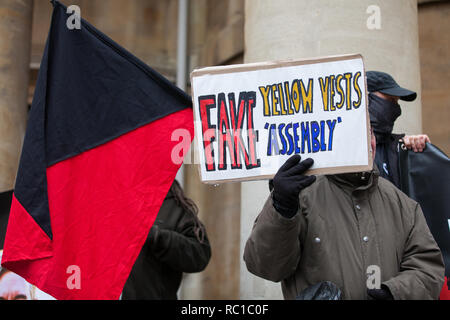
(383, 114)
(175, 244)
(386, 157)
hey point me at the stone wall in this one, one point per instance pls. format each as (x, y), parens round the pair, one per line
(434, 44)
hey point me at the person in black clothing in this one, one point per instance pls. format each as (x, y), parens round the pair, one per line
(384, 94)
(176, 243)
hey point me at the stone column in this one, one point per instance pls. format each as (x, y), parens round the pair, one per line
(215, 38)
(385, 32)
(434, 67)
(15, 42)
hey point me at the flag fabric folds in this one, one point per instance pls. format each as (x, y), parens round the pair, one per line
(95, 166)
(425, 177)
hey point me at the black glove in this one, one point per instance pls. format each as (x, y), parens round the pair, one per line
(287, 184)
(380, 294)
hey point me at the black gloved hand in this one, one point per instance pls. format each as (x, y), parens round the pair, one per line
(287, 184)
(380, 294)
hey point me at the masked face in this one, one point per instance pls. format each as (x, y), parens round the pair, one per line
(383, 113)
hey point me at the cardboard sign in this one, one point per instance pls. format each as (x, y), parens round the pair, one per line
(250, 118)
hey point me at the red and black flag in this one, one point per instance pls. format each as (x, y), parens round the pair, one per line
(95, 166)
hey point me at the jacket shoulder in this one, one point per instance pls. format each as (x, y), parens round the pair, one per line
(390, 194)
(321, 181)
(388, 189)
(309, 195)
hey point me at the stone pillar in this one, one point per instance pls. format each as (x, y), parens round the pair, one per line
(215, 38)
(385, 32)
(434, 66)
(15, 42)
(253, 197)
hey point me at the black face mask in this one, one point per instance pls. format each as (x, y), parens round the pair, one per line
(383, 114)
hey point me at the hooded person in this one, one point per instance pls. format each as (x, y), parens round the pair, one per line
(355, 231)
(384, 110)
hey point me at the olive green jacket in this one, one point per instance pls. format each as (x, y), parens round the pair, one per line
(339, 231)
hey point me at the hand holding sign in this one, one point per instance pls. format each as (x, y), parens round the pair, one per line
(288, 182)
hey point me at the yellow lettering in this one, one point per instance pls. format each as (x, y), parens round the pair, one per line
(295, 96)
(307, 96)
(280, 93)
(265, 93)
(340, 91)
(324, 89)
(348, 77)
(332, 108)
(358, 90)
(275, 112)
(288, 98)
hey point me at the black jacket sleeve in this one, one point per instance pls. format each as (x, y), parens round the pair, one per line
(185, 248)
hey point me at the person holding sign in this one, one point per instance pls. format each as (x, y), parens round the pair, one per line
(354, 230)
(384, 94)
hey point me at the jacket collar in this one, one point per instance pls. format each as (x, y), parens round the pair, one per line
(359, 181)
